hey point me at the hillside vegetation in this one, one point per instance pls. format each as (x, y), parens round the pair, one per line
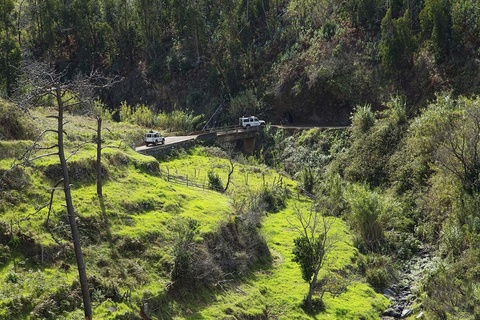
(409, 190)
(155, 242)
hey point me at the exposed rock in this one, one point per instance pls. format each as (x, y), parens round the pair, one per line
(390, 312)
(406, 313)
(388, 293)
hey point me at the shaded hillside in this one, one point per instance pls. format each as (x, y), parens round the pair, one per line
(306, 62)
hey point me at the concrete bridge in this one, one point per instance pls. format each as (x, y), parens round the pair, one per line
(249, 136)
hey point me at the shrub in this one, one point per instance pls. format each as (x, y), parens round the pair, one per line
(215, 182)
(328, 30)
(275, 196)
(192, 262)
(14, 125)
(11, 277)
(362, 119)
(245, 103)
(4, 253)
(178, 121)
(377, 270)
(365, 209)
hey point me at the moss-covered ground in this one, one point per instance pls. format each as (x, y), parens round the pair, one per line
(128, 237)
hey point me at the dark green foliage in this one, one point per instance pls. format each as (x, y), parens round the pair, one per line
(444, 292)
(312, 249)
(66, 298)
(407, 246)
(366, 207)
(4, 253)
(364, 11)
(374, 141)
(184, 250)
(307, 253)
(11, 277)
(10, 55)
(398, 43)
(14, 242)
(328, 30)
(436, 21)
(377, 269)
(215, 182)
(274, 196)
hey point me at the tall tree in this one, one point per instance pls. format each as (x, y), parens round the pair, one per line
(9, 48)
(398, 44)
(437, 26)
(44, 82)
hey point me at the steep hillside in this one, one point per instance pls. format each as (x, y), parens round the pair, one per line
(303, 61)
(159, 240)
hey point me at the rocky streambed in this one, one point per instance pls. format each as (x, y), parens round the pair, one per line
(402, 294)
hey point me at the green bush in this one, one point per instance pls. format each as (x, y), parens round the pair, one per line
(215, 182)
(275, 197)
(175, 121)
(365, 209)
(14, 125)
(377, 270)
(4, 254)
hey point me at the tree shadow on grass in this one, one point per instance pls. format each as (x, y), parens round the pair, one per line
(105, 220)
(318, 306)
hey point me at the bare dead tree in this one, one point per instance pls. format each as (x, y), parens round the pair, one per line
(99, 157)
(42, 81)
(230, 152)
(100, 147)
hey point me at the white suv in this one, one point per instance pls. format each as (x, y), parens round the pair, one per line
(251, 121)
(154, 138)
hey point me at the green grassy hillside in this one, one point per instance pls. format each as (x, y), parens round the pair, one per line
(132, 239)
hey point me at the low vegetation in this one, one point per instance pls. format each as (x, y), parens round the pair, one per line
(165, 246)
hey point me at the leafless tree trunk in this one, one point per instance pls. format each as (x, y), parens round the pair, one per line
(99, 157)
(87, 306)
(43, 81)
(230, 150)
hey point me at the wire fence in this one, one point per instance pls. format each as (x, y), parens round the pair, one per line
(185, 179)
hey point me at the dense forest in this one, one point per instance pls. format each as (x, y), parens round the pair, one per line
(399, 184)
(302, 61)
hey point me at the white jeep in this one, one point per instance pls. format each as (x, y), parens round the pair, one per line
(154, 138)
(250, 121)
